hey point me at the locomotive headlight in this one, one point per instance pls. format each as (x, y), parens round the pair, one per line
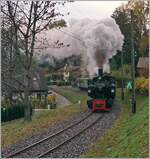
(112, 90)
(89, 91)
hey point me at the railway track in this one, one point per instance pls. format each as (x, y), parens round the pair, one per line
(42, 147)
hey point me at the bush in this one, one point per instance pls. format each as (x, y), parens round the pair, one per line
(38, 103)
(11, 113)
(6, 103)
(51, 82)
(117, 75)
(60, 83)
(63, 83)
(35, 102)
(126, 75)
(127, 70)
(142, 85)
(67, 83)
(48, 77)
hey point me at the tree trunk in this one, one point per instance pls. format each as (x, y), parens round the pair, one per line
(27, 106)
(10, 97)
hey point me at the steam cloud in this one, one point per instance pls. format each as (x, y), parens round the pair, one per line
(96, 41)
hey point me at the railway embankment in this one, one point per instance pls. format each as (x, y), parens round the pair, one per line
(116, 134)
(130, 134)
(78, 144)
(18, 130)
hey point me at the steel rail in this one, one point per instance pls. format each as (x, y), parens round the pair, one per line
(46, 138)
(64, 142)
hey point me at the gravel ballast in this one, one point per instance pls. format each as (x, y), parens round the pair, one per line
(40, 135)
(75, 147)
(48, 144)
(80, 144)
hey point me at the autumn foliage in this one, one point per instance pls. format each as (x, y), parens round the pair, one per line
(142, 85)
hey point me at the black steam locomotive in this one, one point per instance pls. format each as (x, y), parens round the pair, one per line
(102, 90)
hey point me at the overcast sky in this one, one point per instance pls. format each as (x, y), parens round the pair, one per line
(91, 9)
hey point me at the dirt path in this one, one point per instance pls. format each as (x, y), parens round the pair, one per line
(61, 101)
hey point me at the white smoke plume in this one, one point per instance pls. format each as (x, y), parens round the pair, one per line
(97, 41)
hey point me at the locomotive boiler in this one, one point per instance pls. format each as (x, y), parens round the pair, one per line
(102, 90)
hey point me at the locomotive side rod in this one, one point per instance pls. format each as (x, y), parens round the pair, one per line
(68, 140)
(48, 137)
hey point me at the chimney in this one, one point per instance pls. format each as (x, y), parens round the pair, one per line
(100, 72)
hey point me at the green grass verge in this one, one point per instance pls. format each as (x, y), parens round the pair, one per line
(19, 129)
(129, 135)
(72, 94)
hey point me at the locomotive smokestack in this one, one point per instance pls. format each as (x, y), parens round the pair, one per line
(100, 72)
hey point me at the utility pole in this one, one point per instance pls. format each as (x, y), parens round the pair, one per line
(133, 66)
(122, 83)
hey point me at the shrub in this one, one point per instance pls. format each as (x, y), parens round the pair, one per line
(48, 77)
(6, 103)
(67, 83)
(60, 83)
(38, 103)
(142, 85)
(63, 83)
(127, 70)
(126, 75)
(51, 82)
(35, 102)
(11, 113)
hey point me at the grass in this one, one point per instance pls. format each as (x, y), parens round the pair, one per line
(129, 135)
(72, 94)
(19, 129)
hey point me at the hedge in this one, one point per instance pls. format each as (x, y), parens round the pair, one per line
(63, 83)
(51, 82)
(11, 113)
(59, 83)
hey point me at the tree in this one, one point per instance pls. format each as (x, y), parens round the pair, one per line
(122, 19)
(144, 45)
(10, 62)
(140, 23)
(29, 18)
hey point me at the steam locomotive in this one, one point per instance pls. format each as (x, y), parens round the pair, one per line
(102, 90)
